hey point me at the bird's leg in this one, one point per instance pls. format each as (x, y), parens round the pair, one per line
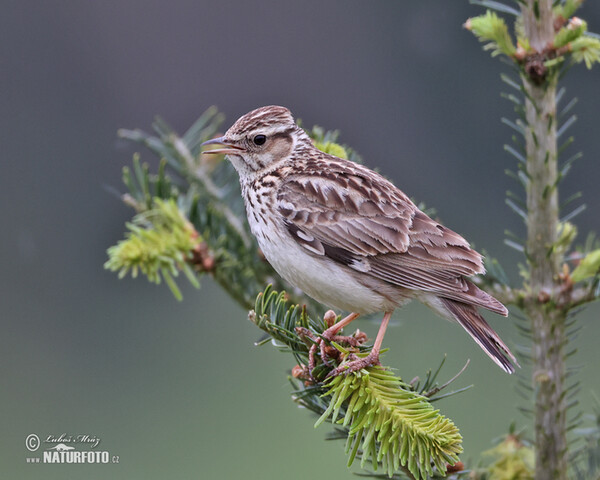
(336, 327)
(369, 360)
(329, 335)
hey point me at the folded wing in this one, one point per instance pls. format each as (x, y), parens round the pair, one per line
(356, 217)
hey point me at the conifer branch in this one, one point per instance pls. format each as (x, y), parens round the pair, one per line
(391, 424)
(160, 243)
(385, 421)
(206, 192)
(548, 35)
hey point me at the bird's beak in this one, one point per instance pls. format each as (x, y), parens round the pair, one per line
(230, 149)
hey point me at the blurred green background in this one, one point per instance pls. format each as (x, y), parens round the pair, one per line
(178, 390)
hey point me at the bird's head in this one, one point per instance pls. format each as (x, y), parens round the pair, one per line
(259, 139)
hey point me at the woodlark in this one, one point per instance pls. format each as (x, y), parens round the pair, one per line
(348, 237)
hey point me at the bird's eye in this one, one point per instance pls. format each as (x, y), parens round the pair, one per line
(259, 139)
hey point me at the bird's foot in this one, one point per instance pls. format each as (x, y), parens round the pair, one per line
(327, 351)
(355, 364)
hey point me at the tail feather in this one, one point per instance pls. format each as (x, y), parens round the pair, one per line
(470, 319)
(483, 299)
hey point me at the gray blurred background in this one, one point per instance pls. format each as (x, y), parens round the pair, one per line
(178, 390)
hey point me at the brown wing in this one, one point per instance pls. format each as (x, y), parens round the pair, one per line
(344, 210)
(357, 218)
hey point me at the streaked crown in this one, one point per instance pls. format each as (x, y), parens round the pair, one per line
(268, 120)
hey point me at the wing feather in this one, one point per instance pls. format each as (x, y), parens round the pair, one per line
(357, 218)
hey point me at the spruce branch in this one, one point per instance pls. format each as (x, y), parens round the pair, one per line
(384, 420)
(160, 243)
(184, 157)
(189, 220)
(542, 51)
(206, 191)
(548, 35)
(493, 31)
(566, 9)
(391, 424)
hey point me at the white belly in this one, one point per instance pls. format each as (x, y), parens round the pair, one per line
(321, 279)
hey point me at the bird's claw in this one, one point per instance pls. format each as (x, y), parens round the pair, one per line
(355, 364)
(327, 352)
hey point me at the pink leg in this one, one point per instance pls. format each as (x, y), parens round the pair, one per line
(335, 328)
(381, 333)
(328, 334)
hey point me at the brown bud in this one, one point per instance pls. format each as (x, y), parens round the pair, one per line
(301, 372)
(559, 22)
(575, 23)
(208, 264)
(520, 53)
(457, 467)
(329, 318)
(202, 257)
(535, 68)
(298, 371)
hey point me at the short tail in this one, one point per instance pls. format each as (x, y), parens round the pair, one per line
(470, 319)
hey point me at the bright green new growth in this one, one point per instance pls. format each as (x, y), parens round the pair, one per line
(160, 241)
(568, 8)
(512, 460)
(570, 39)
(550, 40)
(586, 49)
(492, 29)
(391, 424)
(332, 148)
(588, 267)
(569, 33)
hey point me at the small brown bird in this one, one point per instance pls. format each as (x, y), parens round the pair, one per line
(348, 237)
